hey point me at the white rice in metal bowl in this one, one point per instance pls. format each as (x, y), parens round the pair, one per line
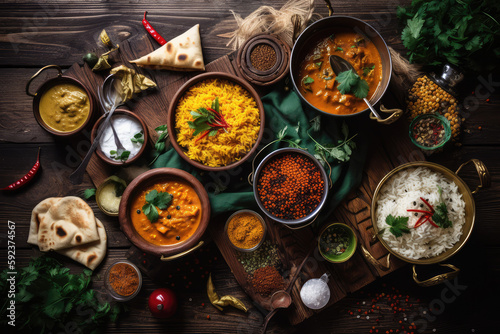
(403, 191)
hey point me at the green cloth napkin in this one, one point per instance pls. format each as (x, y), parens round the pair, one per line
(230, 191)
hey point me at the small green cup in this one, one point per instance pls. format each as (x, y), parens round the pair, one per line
(442, 120)
(349, 251)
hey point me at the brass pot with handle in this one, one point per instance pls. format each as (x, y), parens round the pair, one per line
(470, 215)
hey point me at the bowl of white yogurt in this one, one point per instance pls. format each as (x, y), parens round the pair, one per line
(131, 131)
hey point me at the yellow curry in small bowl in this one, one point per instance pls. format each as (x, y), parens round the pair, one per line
(318, 84)
(64, 107)
(178, 208)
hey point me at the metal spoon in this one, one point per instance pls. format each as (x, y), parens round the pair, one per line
(339, 64)
(106, 105)
(110, 88)
(281, 299)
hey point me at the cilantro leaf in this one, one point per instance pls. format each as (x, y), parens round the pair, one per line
(318, 64)
(350, 82)
(399, 225)
(155, 199)
(88, 193)
(440, 216)
(368, 69)
(339, 49)
(307, 80)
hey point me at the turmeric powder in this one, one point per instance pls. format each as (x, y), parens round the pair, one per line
(245, 230)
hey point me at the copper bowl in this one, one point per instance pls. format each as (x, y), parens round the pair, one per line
(147, 179)
(326, 26)
(60, 79)
(180, 93)
(101, 154)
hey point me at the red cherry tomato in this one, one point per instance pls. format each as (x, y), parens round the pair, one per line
(162, 303)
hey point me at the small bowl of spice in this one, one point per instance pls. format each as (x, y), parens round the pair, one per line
(430, 132)
(123, 280)
(246, 230)
(132, 132)
(263, 59)
(337, 243)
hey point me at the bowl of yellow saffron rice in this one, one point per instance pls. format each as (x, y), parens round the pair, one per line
(216, 121)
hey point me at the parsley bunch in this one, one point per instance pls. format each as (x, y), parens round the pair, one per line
(464, 33)
(154, 199)
(48, 298)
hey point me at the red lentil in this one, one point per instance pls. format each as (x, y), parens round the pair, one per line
(290, 186)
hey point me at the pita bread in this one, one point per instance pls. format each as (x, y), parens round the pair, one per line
(90, 254)
(183, 53)
(63, 222)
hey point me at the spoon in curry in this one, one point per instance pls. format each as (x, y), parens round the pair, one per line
(338, 65)
(111, 88)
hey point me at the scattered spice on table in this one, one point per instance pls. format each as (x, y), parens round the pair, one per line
(267, 280)
(266, 255)
(263, 57)
(428, 131)
(124, 279)
(245, 230)
(290, 186)
(334, 241)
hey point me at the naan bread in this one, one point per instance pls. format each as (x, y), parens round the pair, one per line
(183, 53)
(63, 222)
(91, 254)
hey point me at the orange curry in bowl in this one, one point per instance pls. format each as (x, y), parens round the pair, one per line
(317, 79)
(176, 223)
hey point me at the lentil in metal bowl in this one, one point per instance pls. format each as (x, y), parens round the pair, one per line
(290, 186)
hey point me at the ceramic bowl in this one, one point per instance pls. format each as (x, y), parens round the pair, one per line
(180, 93)
(101, 154)
(150, 178)
(348, 253)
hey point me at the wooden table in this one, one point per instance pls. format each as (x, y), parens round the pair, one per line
(36, 33)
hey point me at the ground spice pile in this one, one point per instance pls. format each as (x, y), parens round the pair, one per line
(267, 280)
(123, 279)
(263, 57)
(245, 230)
(266, 255)
(290, 186)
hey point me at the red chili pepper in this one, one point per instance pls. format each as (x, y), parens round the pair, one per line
(152, 32)
(428, 204)
(203, 136)
(26, 178)
(421, 211)
(432, 223)
(421, 221)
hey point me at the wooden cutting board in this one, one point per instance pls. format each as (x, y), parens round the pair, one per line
(388, 150)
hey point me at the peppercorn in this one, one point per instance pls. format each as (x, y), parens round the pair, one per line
(178, 207)
(178, 237)
(169, 216)
(138, 211)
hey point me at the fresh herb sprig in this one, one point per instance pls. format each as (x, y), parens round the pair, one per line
(465, 33)
(122, 157)
(155, 199)
(48, 298)
(88, 193)
(138, 138)
(350, 82)
(440, 216)
(399, 225)
(341, 151)
(208, 121)
(160, 143)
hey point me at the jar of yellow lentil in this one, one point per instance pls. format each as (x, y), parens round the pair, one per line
(431, 95)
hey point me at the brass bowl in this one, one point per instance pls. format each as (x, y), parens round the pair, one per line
(470, 214)
(167, 252)
(59, 79)
(178, 96)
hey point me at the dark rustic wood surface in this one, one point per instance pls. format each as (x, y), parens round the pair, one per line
(36, 33)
